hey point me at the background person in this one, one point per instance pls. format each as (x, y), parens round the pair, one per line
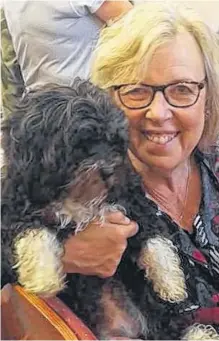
(50, 42)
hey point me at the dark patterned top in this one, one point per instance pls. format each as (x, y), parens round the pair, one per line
(199, 249)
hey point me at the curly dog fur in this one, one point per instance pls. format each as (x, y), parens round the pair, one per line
(61, 142)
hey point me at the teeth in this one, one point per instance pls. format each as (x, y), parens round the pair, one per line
(161, 139)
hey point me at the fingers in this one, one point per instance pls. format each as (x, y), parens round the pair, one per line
(117, 218)
(129, 229)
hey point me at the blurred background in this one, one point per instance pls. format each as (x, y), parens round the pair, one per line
(208, 9)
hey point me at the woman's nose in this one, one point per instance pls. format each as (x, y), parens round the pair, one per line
(159, 109)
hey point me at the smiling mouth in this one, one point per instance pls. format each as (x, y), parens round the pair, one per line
(160, 138)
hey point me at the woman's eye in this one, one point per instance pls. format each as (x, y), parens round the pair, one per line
(183, 89)
(129, 90)
(138, 93)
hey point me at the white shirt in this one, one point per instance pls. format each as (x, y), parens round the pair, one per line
(53, 40)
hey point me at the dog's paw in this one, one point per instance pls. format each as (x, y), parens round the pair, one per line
(161, 263)
(38, 262)
(200, 332)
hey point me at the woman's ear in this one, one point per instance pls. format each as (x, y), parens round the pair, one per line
(207, 110)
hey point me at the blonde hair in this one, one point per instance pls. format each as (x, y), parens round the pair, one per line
(126, 47)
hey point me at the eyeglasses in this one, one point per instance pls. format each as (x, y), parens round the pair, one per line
(179, 95)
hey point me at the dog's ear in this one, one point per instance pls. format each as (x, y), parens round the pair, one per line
(16, 153)
(31, 139)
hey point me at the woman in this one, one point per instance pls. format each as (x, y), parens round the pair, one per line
(172, 121)
(165, 76)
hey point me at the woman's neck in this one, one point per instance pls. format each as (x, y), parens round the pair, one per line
(159, 178)
(177, 191)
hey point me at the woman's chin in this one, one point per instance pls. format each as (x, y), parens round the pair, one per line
(164, 162)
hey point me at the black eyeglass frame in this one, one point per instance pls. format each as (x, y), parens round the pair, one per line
(162, 88)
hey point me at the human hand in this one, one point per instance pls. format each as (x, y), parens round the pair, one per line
(98, 249)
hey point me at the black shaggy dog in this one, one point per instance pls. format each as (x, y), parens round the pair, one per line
(66, 159)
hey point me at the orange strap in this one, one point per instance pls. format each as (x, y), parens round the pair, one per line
(48, 313)
(80, 329)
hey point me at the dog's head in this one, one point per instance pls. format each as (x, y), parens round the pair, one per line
(62, 134)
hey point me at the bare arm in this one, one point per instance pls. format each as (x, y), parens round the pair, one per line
(113, 9)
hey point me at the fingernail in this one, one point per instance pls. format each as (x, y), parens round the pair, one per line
(127, 220)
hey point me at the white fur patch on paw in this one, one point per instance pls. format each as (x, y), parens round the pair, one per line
(38, 262)
(161, 262)
(201, 332)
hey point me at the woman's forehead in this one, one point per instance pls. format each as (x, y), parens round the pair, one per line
(178, 59)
